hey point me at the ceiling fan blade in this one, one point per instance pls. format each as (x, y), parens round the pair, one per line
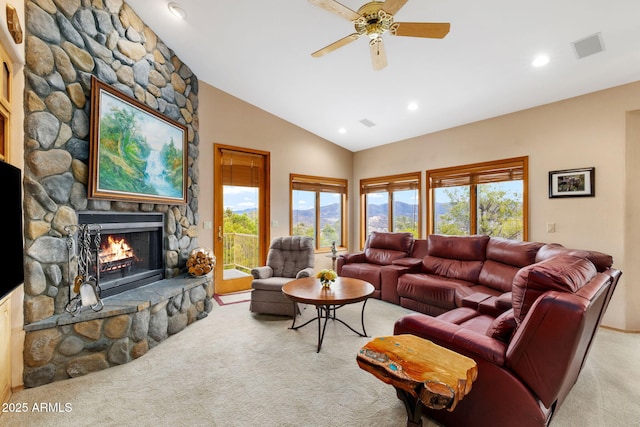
(337, 8)
(378, 54)
(335, 45)
(433, 30)
(393, 6)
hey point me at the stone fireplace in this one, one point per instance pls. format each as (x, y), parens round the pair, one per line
(67, 42)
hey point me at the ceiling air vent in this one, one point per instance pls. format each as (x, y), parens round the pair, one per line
(588, 46)
(368, 123)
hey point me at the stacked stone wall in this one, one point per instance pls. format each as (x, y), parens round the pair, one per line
(78, 348)
(67, 42)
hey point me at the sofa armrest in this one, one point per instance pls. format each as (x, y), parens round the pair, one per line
(348, 258)
(474, 300)
(454, 337)
(263, 272)
(356, 257)
(305, 272)
(504, 302)
(389, 275)
(413, 263)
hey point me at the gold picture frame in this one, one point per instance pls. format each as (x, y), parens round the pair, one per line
(136, 153)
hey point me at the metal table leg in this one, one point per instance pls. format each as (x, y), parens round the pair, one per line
(326, 312)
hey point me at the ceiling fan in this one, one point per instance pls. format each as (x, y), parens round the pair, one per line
(374, 19)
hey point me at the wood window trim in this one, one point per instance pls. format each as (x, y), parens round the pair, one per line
(5, 103)
(319, 184)
(472, 170)
(388, 183)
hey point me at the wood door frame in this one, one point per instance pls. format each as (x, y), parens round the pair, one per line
(264, 211)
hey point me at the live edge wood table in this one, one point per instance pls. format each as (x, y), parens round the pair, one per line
(343, 291)
(422, 372)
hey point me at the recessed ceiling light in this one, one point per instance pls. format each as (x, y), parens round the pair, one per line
(413, 106)
(177, 10)
(540, 60)
(342, 131)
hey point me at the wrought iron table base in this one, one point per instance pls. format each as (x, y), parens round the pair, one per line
(324, 311)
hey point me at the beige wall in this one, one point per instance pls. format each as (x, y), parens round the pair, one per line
(632, 217)
(580, 132)
(227, 120)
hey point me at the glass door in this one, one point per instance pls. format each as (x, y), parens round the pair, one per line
(240, 216)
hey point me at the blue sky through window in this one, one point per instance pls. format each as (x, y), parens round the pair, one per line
(240, 198)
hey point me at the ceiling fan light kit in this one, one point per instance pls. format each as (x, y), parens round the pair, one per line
(374, 19)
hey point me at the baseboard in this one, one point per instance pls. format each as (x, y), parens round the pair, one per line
(626, 331)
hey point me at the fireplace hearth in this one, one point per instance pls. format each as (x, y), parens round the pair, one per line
(131, 252)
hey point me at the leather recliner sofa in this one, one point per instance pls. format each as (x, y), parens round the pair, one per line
(457, 267)
(529, 357)
(440, 273)
(380, 250)
(526, 312)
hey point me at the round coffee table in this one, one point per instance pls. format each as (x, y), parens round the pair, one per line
(345, 290)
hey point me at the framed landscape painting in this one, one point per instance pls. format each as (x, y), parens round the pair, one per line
(136, 154)
(572, 183)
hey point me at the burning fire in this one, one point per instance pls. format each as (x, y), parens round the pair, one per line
(115, 249)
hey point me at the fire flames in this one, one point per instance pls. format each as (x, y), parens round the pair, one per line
(115, 249)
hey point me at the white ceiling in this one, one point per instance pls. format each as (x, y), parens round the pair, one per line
(260, 51)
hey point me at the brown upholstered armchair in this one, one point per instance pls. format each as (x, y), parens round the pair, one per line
(289, 258)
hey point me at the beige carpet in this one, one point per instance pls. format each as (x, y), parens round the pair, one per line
(238, 369)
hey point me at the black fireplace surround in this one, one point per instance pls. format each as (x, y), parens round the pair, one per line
(138, 239)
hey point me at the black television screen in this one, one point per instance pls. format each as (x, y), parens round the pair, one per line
(13, 267)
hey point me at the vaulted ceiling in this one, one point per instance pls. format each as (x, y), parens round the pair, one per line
(260, 52)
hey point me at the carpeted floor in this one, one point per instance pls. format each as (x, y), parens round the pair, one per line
(235, 368)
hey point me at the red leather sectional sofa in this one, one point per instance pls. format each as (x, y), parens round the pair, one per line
(526, 312)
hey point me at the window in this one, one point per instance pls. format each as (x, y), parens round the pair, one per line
(390, 203)
(484, 198)
(318, 209)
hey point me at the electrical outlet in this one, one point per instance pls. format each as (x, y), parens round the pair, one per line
(551, 227)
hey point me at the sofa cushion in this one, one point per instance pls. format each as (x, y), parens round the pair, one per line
(497, 275)
(512, 252)
(504, 259)
(367, 272)
(383, 248)
(433, 290)
(459, 315)
(601, 260)
(466, 248)
(452, 268)
(565, 273)
(382, 256)
(503, 326)
(394, 241)
(505, 301)
(455, 257)
(420, 248)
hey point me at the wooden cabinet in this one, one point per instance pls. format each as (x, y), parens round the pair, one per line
(5, 349)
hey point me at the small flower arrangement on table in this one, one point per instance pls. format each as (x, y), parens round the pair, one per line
(326, 276)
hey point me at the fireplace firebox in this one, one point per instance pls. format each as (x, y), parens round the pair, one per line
(131, 252)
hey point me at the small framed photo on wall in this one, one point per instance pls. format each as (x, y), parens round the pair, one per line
(572, 183)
